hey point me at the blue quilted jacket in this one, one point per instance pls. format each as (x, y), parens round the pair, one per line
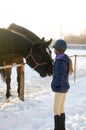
(61, 74)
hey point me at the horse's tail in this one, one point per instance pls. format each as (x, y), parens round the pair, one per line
(2, 72)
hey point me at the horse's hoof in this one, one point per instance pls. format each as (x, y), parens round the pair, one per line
(21, 98)
(8, 100)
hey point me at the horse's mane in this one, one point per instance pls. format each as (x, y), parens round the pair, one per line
(23, 31)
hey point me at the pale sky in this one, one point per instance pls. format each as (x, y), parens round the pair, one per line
(46, 18)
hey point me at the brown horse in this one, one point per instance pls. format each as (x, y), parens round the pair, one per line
(16, 58)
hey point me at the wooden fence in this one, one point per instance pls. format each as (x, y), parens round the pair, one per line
(75, 63)
(22, 73)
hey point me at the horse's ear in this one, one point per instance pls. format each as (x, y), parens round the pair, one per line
(49, 42)
(43, 39)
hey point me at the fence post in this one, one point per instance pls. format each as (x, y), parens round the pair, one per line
(22, 83)
(75, 68)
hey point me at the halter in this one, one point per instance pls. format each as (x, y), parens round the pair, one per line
(34, 60)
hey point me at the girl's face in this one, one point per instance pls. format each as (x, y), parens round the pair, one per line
(55, 51)
(58, 51)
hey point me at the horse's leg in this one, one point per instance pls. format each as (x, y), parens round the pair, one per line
(8, 80)
(20, 79)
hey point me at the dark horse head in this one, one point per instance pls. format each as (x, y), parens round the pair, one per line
(39, 58)
(37, 55)
(40, 47)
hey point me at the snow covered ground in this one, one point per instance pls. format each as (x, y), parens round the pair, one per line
(36, 112)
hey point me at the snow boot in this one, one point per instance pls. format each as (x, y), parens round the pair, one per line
(63, 121)
(57, 122)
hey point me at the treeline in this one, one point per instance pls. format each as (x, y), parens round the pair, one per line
(75, 39)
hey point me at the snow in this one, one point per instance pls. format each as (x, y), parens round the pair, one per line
(36, 112)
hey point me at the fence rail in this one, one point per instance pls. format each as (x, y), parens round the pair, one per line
(10, 66)
(22, 64)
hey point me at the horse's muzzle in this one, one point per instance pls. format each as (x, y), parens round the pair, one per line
(43, 75)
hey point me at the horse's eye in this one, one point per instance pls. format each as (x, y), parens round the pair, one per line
(48, 51)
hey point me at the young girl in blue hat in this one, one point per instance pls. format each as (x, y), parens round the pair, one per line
(60, 84)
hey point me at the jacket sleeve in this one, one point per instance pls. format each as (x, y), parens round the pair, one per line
(58, 75)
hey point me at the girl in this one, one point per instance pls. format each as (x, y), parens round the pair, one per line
(60, 84)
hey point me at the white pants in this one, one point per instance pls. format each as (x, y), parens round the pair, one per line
(59, 100)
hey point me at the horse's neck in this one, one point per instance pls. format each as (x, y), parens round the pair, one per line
(24, 31)
(13, 43)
